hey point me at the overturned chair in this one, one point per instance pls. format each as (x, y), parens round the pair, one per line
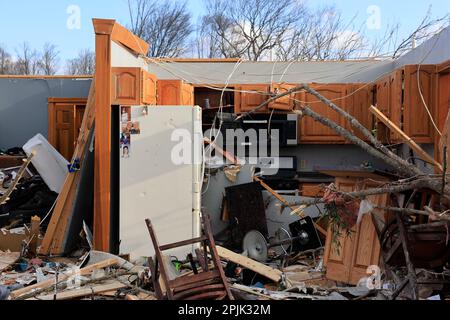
(205, 284)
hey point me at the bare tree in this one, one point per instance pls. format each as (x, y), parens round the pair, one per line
(48, 60)
(6, 64)
(289, 30)
(27, 61)
(165, 25)
(321, 35)
(249, 29)
(83, 64)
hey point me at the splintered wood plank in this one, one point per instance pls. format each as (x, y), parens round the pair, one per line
(50, 282)
(84, 292)
(54, 237)
(266, 271)
(403, 136)
(7, 259)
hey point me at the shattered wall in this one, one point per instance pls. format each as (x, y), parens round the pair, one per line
(23, 106)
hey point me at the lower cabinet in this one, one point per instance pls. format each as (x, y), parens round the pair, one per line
(348, 258)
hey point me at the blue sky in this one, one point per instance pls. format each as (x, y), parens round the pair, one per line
(43, 21)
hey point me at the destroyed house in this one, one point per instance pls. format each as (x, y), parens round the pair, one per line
(118, 131)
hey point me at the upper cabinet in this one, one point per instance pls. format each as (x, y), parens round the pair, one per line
(132, 86)
(389, 92)
(175, 93)
(249, 97)
(315, 132)
(285, 103)
(419, 103)
(359, 99)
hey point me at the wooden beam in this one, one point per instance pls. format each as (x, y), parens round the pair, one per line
(410, 142)
(102, 159)
(266, 271)
(62, 277)
(84, 292)
(286, 203)
(55, 235)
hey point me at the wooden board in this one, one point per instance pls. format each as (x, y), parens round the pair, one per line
(408, 140)
(266, 271)
(48, 283)
(84, 292)
(54, 236)
(7, 259)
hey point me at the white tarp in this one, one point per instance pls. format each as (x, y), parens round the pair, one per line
(50, 164)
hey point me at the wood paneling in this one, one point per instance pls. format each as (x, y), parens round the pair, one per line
(314, 132)
(417, 123)
(285, 103)
(249, 97)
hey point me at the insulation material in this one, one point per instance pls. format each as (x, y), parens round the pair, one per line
(50, 164)
(156, 186)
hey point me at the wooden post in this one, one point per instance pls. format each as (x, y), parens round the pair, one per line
(102, 171)
(34, 234)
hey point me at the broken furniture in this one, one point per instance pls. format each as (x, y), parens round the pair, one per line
(205, 285)
(348, 256)
(417, 246)
(246, 211)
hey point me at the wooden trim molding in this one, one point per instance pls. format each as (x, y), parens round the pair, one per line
(120, 34)
(444, 67)
(68, 100)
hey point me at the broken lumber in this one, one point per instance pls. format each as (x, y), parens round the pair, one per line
(54, 238)
(84, 292)
(48, 283)
(230, 157)
(286, 203)
(7, 259)
(266, 271)
(409, 141)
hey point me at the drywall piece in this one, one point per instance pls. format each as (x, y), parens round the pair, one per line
(50, 164)
(159, 180)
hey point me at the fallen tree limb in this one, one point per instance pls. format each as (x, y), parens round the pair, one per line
(357, 125)
(405, 170)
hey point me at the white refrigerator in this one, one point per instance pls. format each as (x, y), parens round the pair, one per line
(160, 177)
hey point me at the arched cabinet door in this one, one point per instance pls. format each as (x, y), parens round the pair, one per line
(132, 86)
(175, 93)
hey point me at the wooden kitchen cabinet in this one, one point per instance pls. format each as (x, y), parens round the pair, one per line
(417, 123)
(285, 103)
(389, 93)
(349, 261)
(249, 97)
(175, 93)
(313, 132)
(359, 100)
(132, 87)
